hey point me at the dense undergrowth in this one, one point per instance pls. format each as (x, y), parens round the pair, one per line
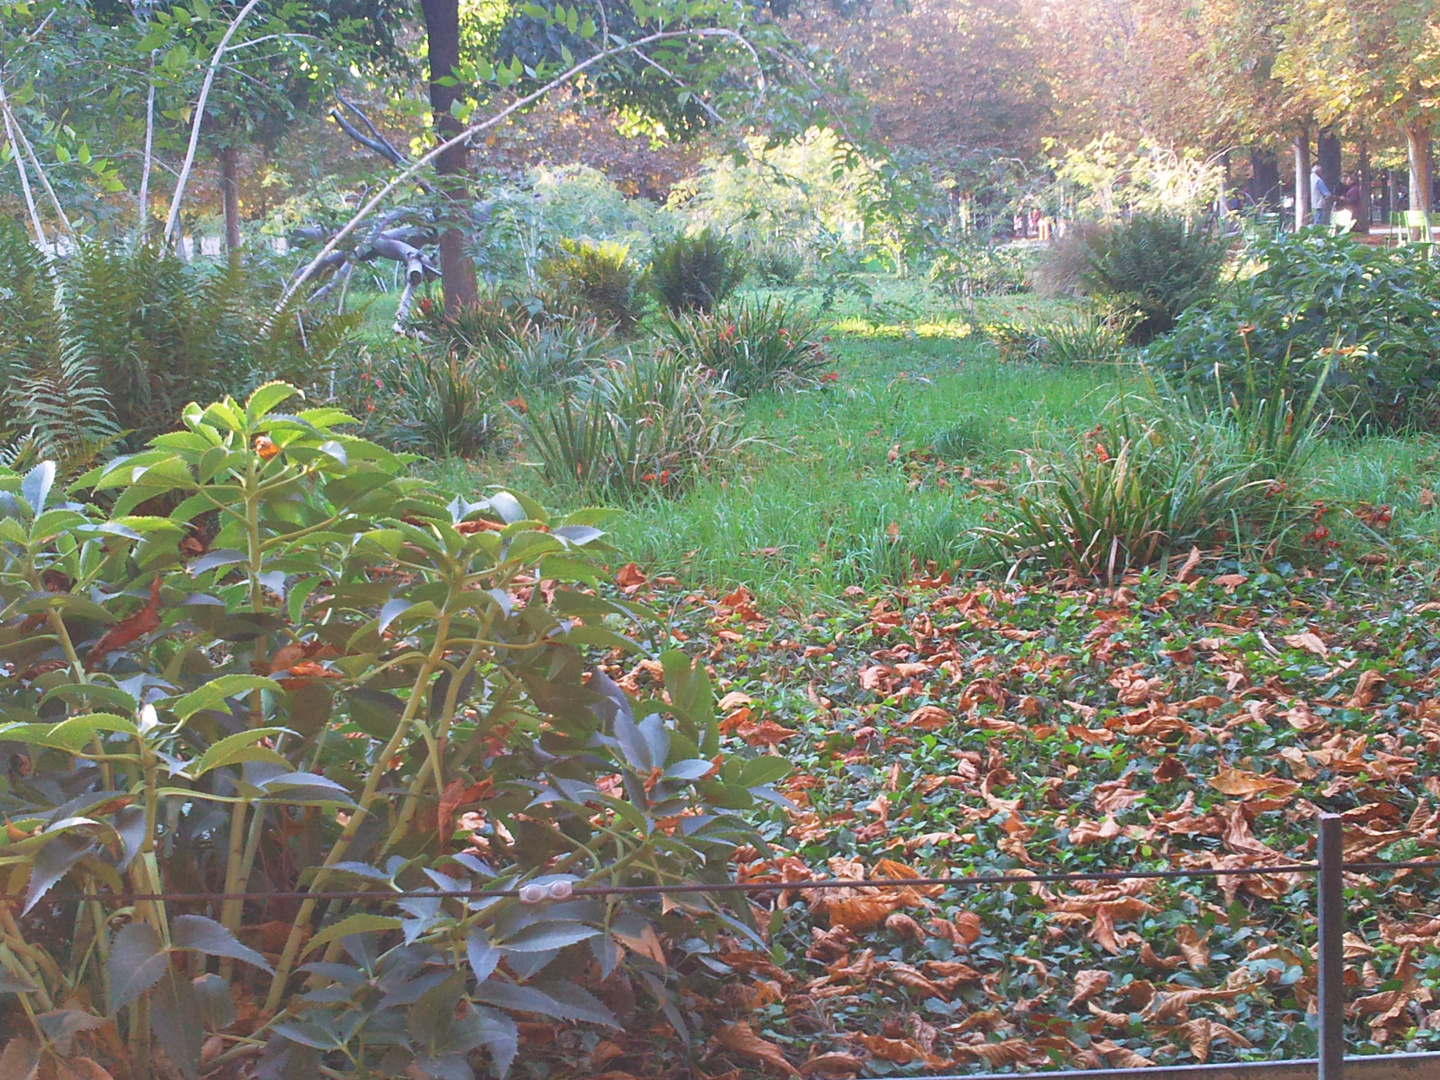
(1003, 591)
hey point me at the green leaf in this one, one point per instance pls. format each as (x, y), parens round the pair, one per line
(35, 489)
(178, 1022)
(545, 936)
(209, 937)
(266, 397)
(529, 999)
(216, 1005)
(688, 684)
(598, 635)
(764, 770)
(236, 748)
(136, 963)
(73, 735)
(213, 694)
(359, 923)
(52, 863)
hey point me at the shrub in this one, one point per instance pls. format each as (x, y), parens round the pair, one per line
(601, 277)
(652, 423)
(1156, 264)
(495, 315)
(543, 357)
(298, 680)
(1355, 322)
(1136, 488)
(753, 346)
(775, 264)
(438, 404)
(979, 269)
(1061, 266)
(139, 334)
(1087, 336)
(696, 273)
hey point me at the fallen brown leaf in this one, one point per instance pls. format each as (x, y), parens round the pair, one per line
(128, 628)
(1309, 641)
(1192, 947)
(832, 1066)
(1365, 689)
(1230, 781)
(1088, 984)
(738, 1038)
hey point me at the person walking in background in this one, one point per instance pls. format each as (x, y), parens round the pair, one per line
(1349, 213)
(1320, 196)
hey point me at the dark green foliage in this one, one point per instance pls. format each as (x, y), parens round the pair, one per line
(966, 269)
(1357, 322)
(696, 273)
(1156, 264)
(968, 437)
(754, 345)
(495, 315)
(542, 358)
(1085, 336)
(130, 336)
(300, 678)
(600, 277)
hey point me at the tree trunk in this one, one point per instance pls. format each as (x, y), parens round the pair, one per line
(1417, 141)
(1327, 153)
(230, 196)
(1363, 179)
(1302, 177)
(442, 29)
(1264, 178)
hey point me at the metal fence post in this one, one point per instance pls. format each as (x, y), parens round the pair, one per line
(1330, 947)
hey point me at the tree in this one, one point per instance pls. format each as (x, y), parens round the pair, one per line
(952, 79)
(442, 30)
(1356, 58)
(1245, 102)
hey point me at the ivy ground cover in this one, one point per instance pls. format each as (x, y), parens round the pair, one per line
(1199, 719)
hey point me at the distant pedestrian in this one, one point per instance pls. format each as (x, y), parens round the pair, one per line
(1320, 196)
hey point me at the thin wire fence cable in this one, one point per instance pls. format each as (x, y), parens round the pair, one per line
(807, 885)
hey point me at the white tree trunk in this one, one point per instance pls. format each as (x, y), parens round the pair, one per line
(1417, 142)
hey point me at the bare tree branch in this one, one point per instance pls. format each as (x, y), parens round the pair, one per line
(173, 219)
(474, 129)
(35, 164)
(143, 225)
(20, 168)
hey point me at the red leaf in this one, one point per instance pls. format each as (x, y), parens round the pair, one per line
(129, 628)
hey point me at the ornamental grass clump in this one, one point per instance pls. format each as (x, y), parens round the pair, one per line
(697, 273)
(753, 345)
(599, 276)
(652, 423)
(1144, 483)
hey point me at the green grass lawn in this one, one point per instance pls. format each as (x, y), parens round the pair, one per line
(883, 472)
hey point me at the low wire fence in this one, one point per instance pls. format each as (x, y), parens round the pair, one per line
(1329, 868)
